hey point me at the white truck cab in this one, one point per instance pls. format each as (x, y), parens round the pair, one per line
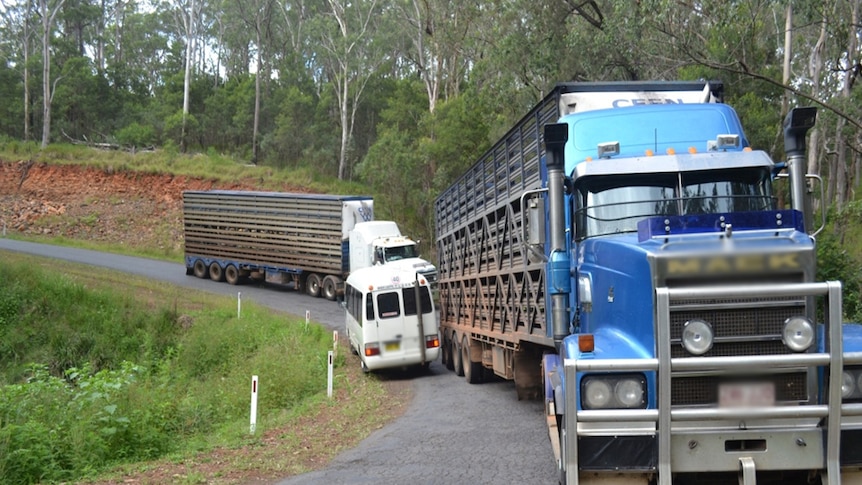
(381, 242)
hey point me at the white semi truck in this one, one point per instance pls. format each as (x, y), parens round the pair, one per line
(310, 241)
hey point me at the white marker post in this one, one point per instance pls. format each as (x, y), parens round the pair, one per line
(253, 404)
(307, 318)
(335, 342)
(238, 304)
(329, 377)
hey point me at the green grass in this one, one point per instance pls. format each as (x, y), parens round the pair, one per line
(163, 254)
(100, 370)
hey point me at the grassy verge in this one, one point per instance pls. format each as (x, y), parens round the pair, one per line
(105, 247)
(209, 166)
(113, 374)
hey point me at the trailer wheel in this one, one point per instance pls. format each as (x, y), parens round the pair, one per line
(472, 370)
(231, 274)
(216, 272)
(200, 269)
(312, 285)
(330, 287)
(457, 363)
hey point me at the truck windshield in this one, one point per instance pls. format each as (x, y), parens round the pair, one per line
(615, 204)
(400, 252)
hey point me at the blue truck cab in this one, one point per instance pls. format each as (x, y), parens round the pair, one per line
(697, 343)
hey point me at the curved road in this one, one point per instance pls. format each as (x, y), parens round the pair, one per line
(452, 432)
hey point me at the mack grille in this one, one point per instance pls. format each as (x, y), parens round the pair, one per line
(741, 327)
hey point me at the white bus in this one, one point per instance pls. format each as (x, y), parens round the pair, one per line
(382, 323)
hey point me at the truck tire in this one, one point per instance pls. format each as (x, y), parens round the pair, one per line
(312, 285)
(216, 272)
(231, 274)
(330, 287)
(472, 370)
(200, 269)
(457, 363)
(446, 353)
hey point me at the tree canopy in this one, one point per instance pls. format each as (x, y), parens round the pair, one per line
(404, 94)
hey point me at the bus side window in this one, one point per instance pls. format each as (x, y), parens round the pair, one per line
(369, 308)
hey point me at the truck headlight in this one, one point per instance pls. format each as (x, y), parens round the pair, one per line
(597, 394)
(624, 391)
(848, 385)
(697, 336)
(798, 334)
(630, 393)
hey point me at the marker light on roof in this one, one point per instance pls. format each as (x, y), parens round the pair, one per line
(723, 142)
(609, 149)
(671, 151)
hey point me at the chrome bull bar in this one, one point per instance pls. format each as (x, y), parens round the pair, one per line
(833, 359)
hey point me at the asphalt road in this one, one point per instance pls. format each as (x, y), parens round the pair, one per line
(452, 432)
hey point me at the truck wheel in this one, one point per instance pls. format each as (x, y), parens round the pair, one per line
(216, 272)
(446, 353)
(231, 274)
(330, 287)
(200, 269)
(472, 370)
(457, 363)
(312, 285)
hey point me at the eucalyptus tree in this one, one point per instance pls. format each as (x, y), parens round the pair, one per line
(47, 10)
(256, 15)
(436, 33)
(347, 34)
(188, 15)
(18, 19)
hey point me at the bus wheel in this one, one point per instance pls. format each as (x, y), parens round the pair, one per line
(457, 364)
(231, 274)
(330, 287)
(216, 272)
(312, 285)
(200, 269)
(472, 370)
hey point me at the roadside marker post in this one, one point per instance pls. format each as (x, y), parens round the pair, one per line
(329, 377)
(238, 304)
(307, 318)
(253, 404)
(335, 342)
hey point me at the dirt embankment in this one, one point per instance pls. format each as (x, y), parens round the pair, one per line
(126, 208)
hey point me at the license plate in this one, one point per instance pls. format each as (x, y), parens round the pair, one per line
(746, 395)
(390, 346)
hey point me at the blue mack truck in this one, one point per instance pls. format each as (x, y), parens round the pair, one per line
(621, 253)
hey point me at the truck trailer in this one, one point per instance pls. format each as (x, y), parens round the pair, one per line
(621, 254)
(299, 239)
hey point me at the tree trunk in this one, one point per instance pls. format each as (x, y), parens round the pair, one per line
(190, 31)
(788, 45)
(342, 158)
(815, 67)
(48, 15)
(257, 95)
(27, 77)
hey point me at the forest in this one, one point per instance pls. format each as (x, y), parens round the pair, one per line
(402, 95)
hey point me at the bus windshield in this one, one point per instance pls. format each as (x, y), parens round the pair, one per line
(615, 204)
